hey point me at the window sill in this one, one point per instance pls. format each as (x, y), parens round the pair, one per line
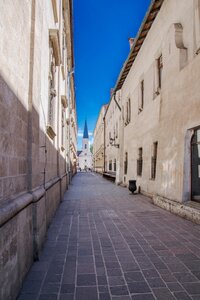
(51, 133)
(152, 179)
(140, 110)
(63, 72)
(62, 148)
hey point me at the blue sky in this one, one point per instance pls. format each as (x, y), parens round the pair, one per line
(101, 32)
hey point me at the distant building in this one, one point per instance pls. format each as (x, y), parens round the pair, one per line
(98, 144)
(85, 157)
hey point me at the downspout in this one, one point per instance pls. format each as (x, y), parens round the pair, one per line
(104, 148)
(116, 101)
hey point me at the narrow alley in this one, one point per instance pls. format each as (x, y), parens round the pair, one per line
(104, 243)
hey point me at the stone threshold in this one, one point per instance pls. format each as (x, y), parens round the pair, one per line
(189, 210)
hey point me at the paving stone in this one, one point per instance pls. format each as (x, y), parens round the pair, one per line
(116, 280)
(192, 288)
(85, 268)
(103, 289)
(50, 288)
(114, 272)
(174, 286)
(133, 276)
(121, 298)
(104, 296)
(89, 293)
(185, 277)
(31, 286)
(86, 279)
(47, 297)
(66, 297)
(119, 290)
(196, 274)
(181, 296)
(102, 280)
(163, 294)
(28, 297)
(138, 287)
(67, 288)
(156, 282)
(102, 235)
(150, 273)
(143, 297)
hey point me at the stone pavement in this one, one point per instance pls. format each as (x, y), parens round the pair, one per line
(107, 244)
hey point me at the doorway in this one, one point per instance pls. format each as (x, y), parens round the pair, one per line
(195, 165)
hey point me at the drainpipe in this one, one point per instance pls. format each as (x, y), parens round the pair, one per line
(104, 141)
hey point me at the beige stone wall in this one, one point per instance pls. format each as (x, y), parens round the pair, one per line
(34, 165)
(113, 135)
(166, 117)
(170, 114)
(98, 144)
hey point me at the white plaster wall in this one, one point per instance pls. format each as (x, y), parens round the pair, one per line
(167, 117)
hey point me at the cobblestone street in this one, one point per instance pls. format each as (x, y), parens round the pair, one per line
(107, 244)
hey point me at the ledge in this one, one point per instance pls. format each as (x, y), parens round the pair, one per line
(51, 183)
(54, 37)
(189, 210)
(64, 101)
(13, 206)
(63, 72)
(51, 133)
(38, 194)
(55, 11)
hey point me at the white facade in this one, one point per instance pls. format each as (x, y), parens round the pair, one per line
(98, 144)
(159, 92)
(85, 157)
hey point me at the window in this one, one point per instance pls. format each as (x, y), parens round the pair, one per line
(154, 160)
(114, 165)
(129, 110)
(126, 163)
(139, 162)
(52, 93)
(63, 126)
(110, 165)
(63, 67)
(160, 69)
(116, 133)
(141, 100)
(197, 24)
(85, 146)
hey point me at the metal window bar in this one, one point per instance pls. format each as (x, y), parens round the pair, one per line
(160, 68)
(153, 167)
(139, 166)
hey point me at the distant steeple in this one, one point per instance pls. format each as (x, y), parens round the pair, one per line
(85, 133)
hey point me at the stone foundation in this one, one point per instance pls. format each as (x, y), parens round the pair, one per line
(187, 210)
(23, 225)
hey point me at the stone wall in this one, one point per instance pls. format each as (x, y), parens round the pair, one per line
(34, 172)
(169, 113)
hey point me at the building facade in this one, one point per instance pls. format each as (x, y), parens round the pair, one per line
(98, 144)
(85, 157)
(160, 108)
(37, 126)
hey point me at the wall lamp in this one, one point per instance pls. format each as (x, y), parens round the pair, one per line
(112, 143)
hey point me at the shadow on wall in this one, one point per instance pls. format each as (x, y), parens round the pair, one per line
(28, 196)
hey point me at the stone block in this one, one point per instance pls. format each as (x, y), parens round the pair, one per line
(3, 166)
(40, 226)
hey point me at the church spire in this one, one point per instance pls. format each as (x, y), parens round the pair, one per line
(85, 133)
